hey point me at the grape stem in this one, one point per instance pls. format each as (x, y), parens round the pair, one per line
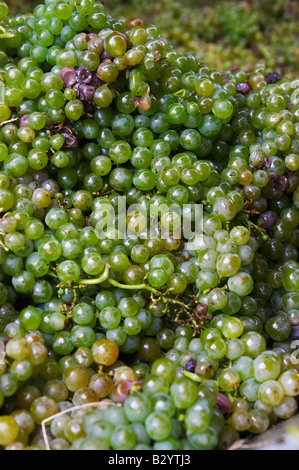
(5, 34)
(194, 377)
(52, 274)
(105, 277)
(103, 404)
(89, 282)
(180, 93)
(3, 123)
(135, 287)
(197, 378)
(251, 226)
(3, 245)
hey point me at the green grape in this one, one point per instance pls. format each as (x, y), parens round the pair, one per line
(158, 425)
(137, 408)
(183, 392)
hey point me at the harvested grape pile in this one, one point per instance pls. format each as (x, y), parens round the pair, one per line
(120, 328)
(222, 32)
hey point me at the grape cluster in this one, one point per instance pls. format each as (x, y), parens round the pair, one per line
(188, 336)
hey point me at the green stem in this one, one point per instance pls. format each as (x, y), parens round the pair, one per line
(52, 274)
(186, 308)
(5, 34)
(181, 93)
(89, 282)
(194, 377)
(197, 378)
(137, 287)
(205, 292)
(230, 397)
(3, 245)
(262, 231)
(105, 277)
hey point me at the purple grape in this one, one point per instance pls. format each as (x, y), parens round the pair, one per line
(274, 180)
(87, 92)
(243, 88)
(269, 219)
(281, 183)
(96, 82)
(24, 121)
(84, 75)
(272, 77)
(295, 332)
(68, 75)
(223, 403)
(70, 140)
(267, 162)
(284, 183)
(191, 364)
(201, 309)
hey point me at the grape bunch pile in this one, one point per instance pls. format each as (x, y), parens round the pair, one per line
(222, 32)
(190, 338)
